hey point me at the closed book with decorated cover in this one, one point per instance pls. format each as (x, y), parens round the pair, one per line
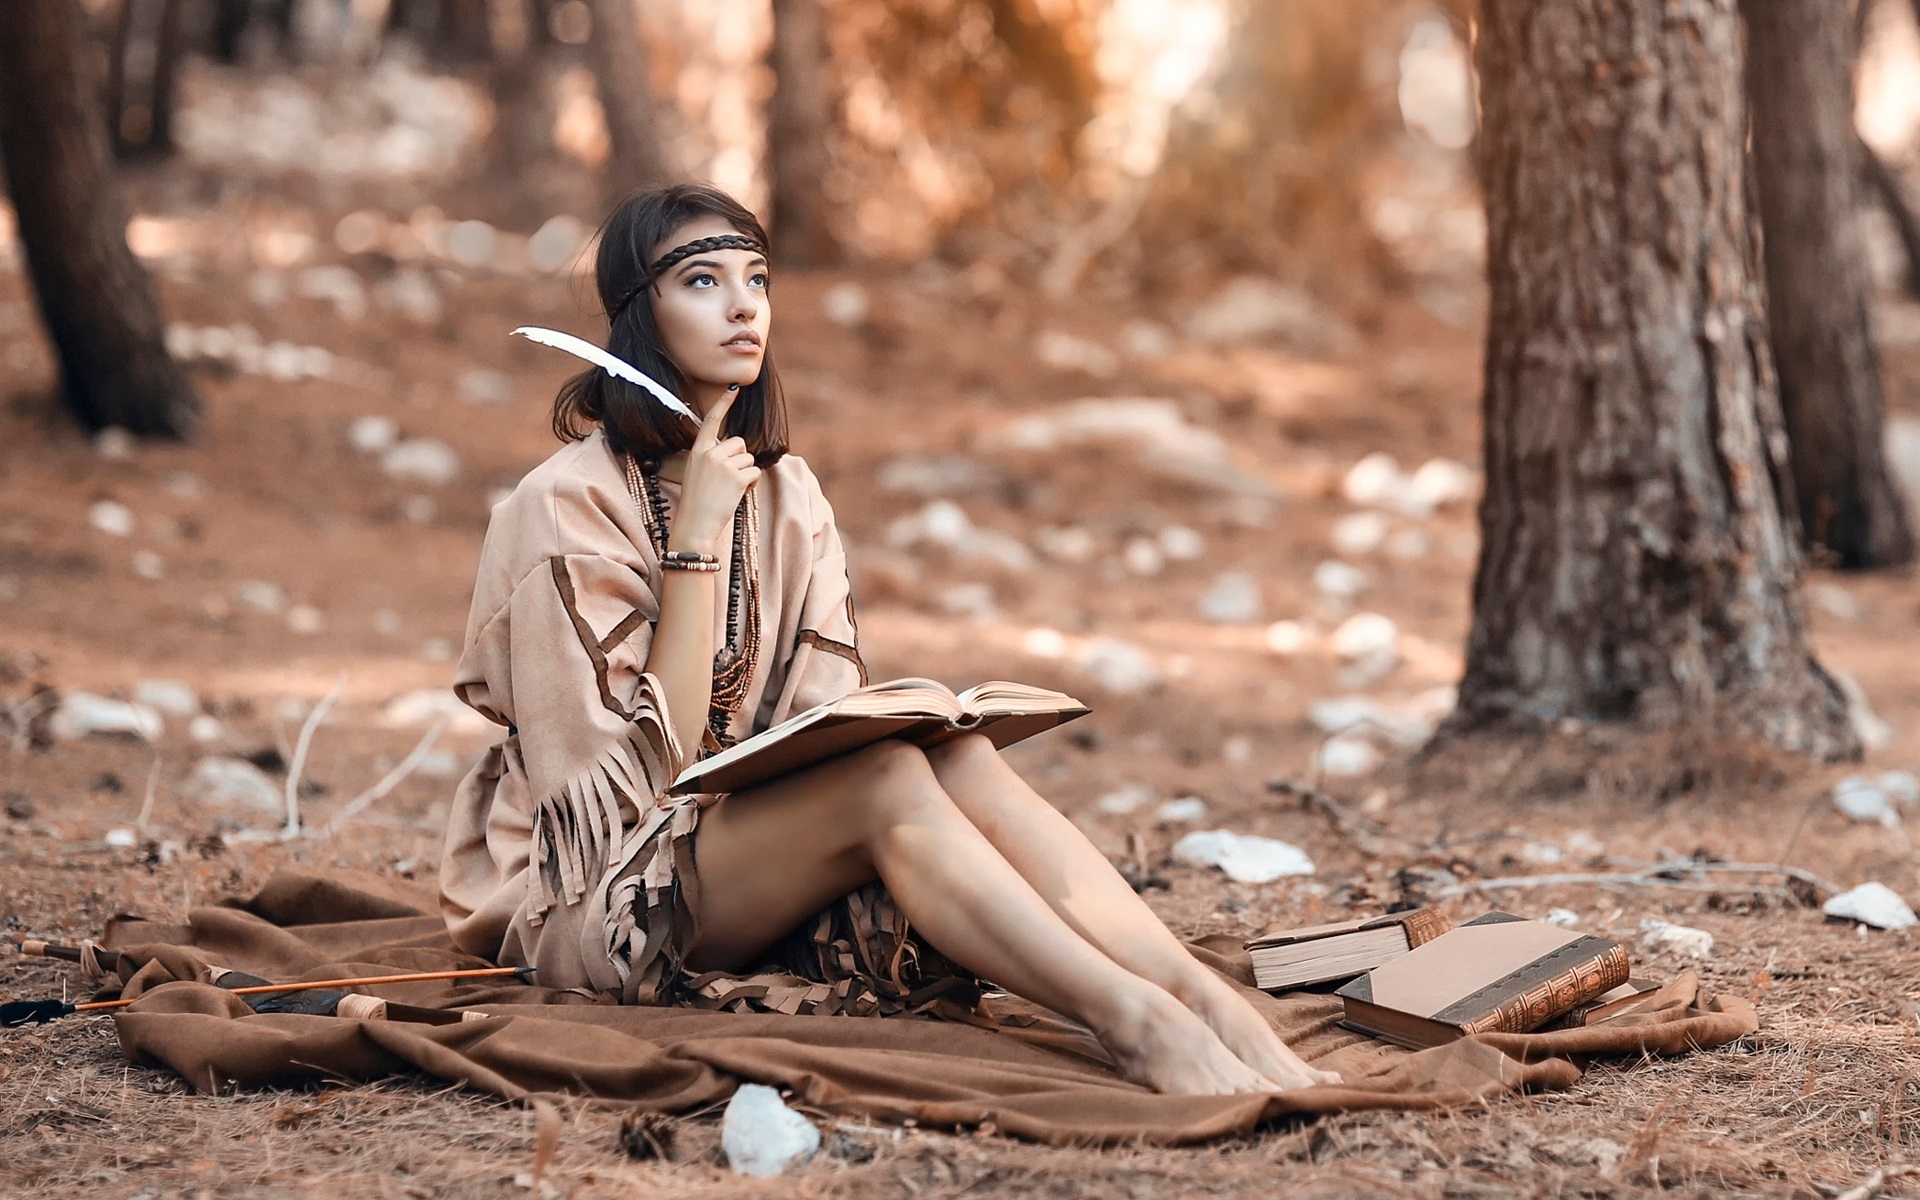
(1340, 949)
(1498, 973)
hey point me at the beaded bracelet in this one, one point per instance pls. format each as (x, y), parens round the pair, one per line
(689, 556)
(681, 564)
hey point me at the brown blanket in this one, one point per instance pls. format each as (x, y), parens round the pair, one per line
(1035, 1076)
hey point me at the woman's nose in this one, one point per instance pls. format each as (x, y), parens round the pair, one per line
(745, 306)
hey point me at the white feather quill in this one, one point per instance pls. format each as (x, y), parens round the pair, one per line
(619, 368)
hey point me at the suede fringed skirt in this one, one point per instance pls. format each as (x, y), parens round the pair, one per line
(858, 956)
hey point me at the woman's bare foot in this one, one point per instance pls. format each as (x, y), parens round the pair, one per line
(1158, 1042)
(1244, 1031)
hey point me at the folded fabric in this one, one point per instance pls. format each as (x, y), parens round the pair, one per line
(1028, 1072)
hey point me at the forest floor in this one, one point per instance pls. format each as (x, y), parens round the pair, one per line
(269, 559)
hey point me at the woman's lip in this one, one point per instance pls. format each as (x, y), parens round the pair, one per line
(743, 339)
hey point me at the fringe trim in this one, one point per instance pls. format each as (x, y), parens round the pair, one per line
(598, 817)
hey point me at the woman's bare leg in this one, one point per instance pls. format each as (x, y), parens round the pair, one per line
(772, 856)
(1078, 883)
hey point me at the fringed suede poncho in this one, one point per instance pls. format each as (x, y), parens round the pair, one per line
(561, 848)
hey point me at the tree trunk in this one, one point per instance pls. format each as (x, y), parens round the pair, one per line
(140, 87)
(98, 304)
(799, 127)
(636, 157)
(1800, 85)
(1636, 563)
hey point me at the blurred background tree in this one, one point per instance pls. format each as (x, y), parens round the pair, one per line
(99, 307)
(1799, 71)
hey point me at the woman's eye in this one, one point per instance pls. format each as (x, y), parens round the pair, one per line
(759, 279)
(702, 280)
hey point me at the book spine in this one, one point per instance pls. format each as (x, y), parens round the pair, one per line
(1424, 925)
(1541, 1003)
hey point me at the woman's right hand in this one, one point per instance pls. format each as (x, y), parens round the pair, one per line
(719, 472)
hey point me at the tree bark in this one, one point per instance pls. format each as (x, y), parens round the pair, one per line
(799, 130)
(636, 156)
(99, 306)
(140, 86)
(1636, 564)
(1799, 82)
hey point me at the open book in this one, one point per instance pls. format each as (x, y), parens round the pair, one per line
(915, 710)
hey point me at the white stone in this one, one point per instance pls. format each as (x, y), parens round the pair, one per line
(422, 460)
(1182, 544)
(991, 545)
(1565, 918)
(83, 714)
(1836, 601)
(1337, 714)
(111, 517)
(481, 385)
(120, 839)
(1146, 340)
(438, 650)
(1873, 904)
(1366, 635)
(1872, 730)
(1244, 858)
(1583, 845)
(1237, 750)
(1232, 599)
(1360, 533)
(1070, 352)
(761, 1135)
(149, 565)
(1373, 481)
(114, 443)
(971, 600)
(306, 620)
(1068, 543)
(846, 305)
(338, 285)
(1251, 307)
(936, 475)
(418, 709)
(260, 595)
(1044, 643)
(1339, 582)
(472, 243)
(1348, 755)
(1903, 786)
(234, 783)
(554, 244)
(169, 696)
(1117, 666)
(1443, 481)
(205, 729)
(1142, 556)
(412, 294)
(1288, 637)
(1683, 940)
(1128, 797)
(373, 434)
(942, 523)
(1182, 810)
(1863, 800)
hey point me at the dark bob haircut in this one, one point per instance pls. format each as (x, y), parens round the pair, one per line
(634, 421)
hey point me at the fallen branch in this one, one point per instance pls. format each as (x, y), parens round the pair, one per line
(1871, 1185)
(299, 763)
(153, 785)
(391, 780)
(1676, 873)
(1366, 834)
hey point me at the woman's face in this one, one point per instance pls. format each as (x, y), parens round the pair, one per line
(712, 308)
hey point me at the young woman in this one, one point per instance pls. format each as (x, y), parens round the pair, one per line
(656, 590)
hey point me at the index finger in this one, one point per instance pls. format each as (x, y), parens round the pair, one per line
(710, 424)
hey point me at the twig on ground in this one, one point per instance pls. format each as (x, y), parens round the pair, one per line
(388, 782)
(1871, 1185)
(299, 763)
(153, 785)
(1674, 873)
(1366, 834)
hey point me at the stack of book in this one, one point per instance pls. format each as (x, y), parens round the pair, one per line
(1418, 981)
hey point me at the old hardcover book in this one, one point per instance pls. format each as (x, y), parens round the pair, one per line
(1495, 974)
(1340, 949)
(916, 710)
(1630, 997)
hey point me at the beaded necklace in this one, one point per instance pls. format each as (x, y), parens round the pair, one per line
(734, 662)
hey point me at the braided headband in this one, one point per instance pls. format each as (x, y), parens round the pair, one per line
(725, 241)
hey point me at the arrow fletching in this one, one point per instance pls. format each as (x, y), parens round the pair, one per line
(619, 368)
